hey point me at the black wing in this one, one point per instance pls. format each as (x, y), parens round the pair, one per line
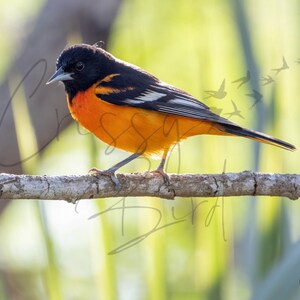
(140, 89)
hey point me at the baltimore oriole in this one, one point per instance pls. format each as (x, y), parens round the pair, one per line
(128, 108)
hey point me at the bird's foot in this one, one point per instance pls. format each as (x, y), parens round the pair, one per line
(110, 173)
(164, 175)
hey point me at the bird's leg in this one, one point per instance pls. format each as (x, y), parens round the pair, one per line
(161, 165)
(111, 171)
(160, 168)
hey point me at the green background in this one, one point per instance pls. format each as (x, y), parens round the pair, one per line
(231, 248)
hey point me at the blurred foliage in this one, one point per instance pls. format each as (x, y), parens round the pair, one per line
(15, 21)
(233, 248)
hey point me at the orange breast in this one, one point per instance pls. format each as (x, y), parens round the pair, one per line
(132, 129)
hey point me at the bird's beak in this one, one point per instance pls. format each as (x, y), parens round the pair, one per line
(60, 75)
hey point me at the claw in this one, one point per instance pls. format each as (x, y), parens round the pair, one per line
(109, 173)
(164, 175)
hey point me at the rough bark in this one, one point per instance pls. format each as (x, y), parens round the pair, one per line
(90, 20)
(72, 188)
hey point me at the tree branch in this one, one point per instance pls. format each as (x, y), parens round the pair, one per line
(72, 188)
(91, 20)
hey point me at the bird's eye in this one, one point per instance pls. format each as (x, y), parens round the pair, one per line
(79, 66)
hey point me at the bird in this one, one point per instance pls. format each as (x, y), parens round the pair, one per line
(256, 95)
(128, 108)
(297, 61)
(242, 80)
(236, 111)
(267, 80)
(219, 94)
(283, 67)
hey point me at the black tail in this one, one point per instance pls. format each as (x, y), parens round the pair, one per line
(258, 136)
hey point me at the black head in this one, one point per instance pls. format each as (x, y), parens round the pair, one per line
(80, 66)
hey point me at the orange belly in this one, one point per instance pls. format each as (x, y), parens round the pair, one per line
(133, 129)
